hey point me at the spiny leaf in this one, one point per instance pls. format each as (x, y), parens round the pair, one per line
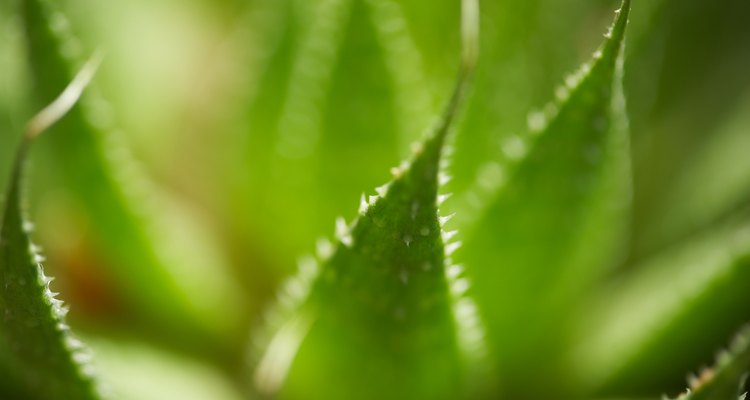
(42, 357)
(169, 270)
(377, 316)
(727, 379)
(636, 329)
(556, 222)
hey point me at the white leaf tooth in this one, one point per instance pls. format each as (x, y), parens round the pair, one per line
(73, 343)
(28, 227)
(451, 248)
(347, 240)
(443, 197)
(308, 266)
(63, 311)
(460, 287)
(562, 93)
(324, 248)
(445, 219)
(443, 178)
(382, 190)
(295, 289)
(363, 205)
(448, 235)
(514, 147)
(448, 151)
(341, 227)
(373, 199)
(536, 120)
(454, 271)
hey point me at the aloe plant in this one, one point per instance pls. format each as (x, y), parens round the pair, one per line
(522, 249)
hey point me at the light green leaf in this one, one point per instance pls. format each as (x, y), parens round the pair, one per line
(378, 316)
(556, 221)
(39, 354)
(637, 328)
(163, 261)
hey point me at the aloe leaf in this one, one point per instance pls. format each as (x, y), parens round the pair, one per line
(377, 314)
(637, 329)
(556, 221)
(727, 379)
(40, 354)
(166, 267)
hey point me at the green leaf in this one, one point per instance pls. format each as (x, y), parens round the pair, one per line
(727, 379)
(38, 352)
(556, 221)
(637, 328)
(377, 317)
(170, 272)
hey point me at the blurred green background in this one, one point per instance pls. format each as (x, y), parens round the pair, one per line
(262, 121)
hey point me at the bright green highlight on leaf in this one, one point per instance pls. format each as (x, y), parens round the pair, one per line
(39, 355)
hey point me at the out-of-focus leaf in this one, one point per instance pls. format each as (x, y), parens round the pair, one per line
(638, 329)
(40, 357)
(727, 379)
(678, 101)
(378, 316)
(169, 271)
(714, 183)
(342, 85)
(556, 222)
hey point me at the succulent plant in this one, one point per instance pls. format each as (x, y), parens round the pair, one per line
(599, 252)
